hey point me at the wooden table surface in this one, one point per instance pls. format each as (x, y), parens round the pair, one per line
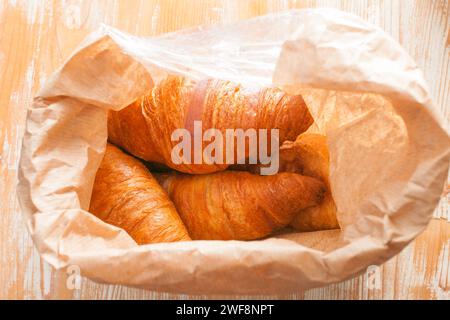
(37, 36)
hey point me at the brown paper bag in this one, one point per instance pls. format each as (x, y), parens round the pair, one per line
(389, 153)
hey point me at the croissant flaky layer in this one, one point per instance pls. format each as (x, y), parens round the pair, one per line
(239, 205)
(126, 195)
(310, 153)
(307, 155)
(145, 127)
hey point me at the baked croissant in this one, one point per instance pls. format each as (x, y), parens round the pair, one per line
(239, 205)
(145, 127)
(126, 195)
(310, 152)
(307, 155)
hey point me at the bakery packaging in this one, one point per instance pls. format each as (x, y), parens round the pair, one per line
(361, 155)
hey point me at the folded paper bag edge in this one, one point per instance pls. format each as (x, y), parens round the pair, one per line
(89, 63)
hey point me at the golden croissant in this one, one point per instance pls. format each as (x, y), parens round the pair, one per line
(145, 127)
(310, 152)
(126, 195)
(307, 155)
(239, 205)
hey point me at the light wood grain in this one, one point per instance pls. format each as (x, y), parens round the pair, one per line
(36, 37)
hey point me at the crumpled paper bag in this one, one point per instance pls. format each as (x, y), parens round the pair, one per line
(389, 153)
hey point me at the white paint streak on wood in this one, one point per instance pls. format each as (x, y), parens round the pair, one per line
(441, 279)
(155, 18)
